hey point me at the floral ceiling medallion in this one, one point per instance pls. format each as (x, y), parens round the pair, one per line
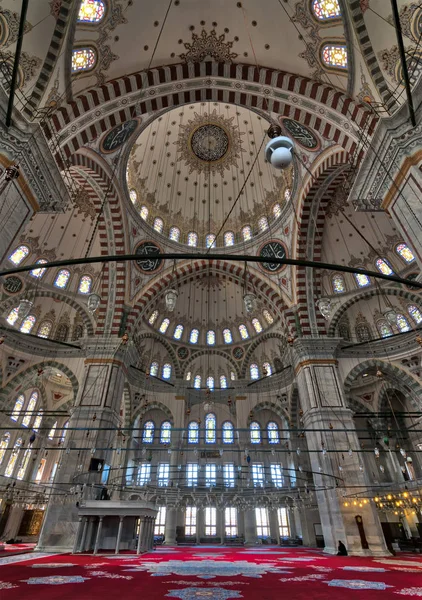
(208, 45)
(209, 143)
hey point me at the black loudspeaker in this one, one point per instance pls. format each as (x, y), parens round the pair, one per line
(96, 464)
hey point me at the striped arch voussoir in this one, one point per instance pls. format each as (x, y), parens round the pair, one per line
(211, 352)
(278, 410)
(141, 411)
(169, 348)
(262, 338)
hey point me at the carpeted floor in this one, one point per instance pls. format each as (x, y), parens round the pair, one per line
(266, 573)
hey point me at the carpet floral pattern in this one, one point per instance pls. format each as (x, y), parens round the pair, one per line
(220, 573)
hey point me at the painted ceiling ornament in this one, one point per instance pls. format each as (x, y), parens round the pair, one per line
(208, 45)
(171, 299)
(210, 143)
(249, 300)
(324, 306)
(93, 303)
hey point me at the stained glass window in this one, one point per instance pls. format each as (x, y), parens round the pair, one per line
(144, 213)
(133, 196)
(52, 432)
(246, 233)
(211, 337)
(19, 255)
(338, 284)
(148, 433)
(268, 317)
(192, 239)
(164, 325)
(64, 431)
(228, 432)
(383, 267)
(91, 11)
(44, 329)
(193, 432)
(415, 313)
(267, 369)
(276, 211)
(326, 9)
(188, 376)
(24, 464)
(158, 224)
(12, 317)
(362, 280)
(210, 240)
(402, 323)
(255, 430)
(197, 382)
(13, 458)
(27, 324)
(174, 234)
(153, 369)
(273, 433)
(85, 284)
(3, 445)
(194, 335)
(37, 422)
(18, 407)
(166, 371)
(254, 371)
(257, 325)
(405, 252)
(62, 279)
(38, 273)
(287, 194)
(165, 432)
(153, 317)
(263, 223)
(229, 238)
(243, 332)
(334, 55)
(223, 382)
(227, 336)
(363, 332)
(210, 428)
(83, 59)
(210, 383)
(232, 375)
(384, 329)
(178, 332)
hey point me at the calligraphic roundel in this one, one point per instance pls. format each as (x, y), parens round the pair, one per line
(272, 249)
(301, 134)
(148, 265)
(115, 138)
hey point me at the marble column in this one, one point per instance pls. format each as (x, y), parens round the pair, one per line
(119, 535)
(89, 533)
(274, 528)
(220, 525)
(98, 537)
(83, 538)
(170, 528)
(140, 535)
(77, 537)
(250, 527)
(200, 524)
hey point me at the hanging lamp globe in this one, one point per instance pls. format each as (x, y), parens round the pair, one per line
(279, 150)
(24, 308)
(171, 299)
(249, 300)
(93, 303)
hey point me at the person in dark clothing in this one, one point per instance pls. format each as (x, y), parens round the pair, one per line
(341, 549)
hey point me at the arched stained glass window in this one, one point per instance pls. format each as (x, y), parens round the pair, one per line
(363, 332)
(229, 238)
(38, 273)
(148, 432)
(167, 371)
(273, 433)
(164, 325)
(210, 240)
(12, 317)
(19, 255)
(91, 11)
(211, 337)
(246, 233)
(44, 329)
(158, 224)
(153, 317)
(338, 284)
(244, 334)
(287, 194)
(37, 421)
(405, 252)
(232, 375)
(362, 280)
(193, 432)
(263, 224)
(174, 234)
(255, 430)
(144, 212)
(192, 239)
(415, 313)
(210, 428)
(228, 432)
(52, 432)
(83, 59)
(197, 382)
(62, 279)
(268, 317)
(133, 196)
(257, 325)
(227, 336)
(178, 332)
(13, 458)
(153, 370)
(27, 324)
(85, 284)
(384, 329)
(210, 383)
(4, 443)
(254, 371)
(267, 369)
(383, 266)
(223, 382)
(334, 55)
(188, 376)
(402, 323)
(326, 9)
(64, 431)
(194, 335)
(18, 407)
(29, 413)
(24, 464)
(165, 433)
(276, 211)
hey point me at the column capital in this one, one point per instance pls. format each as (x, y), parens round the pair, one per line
(104, 349)
(308, 350)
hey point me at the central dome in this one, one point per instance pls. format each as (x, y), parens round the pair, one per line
(209, 142)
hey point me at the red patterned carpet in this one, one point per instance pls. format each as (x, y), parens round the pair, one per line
(205, 572)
